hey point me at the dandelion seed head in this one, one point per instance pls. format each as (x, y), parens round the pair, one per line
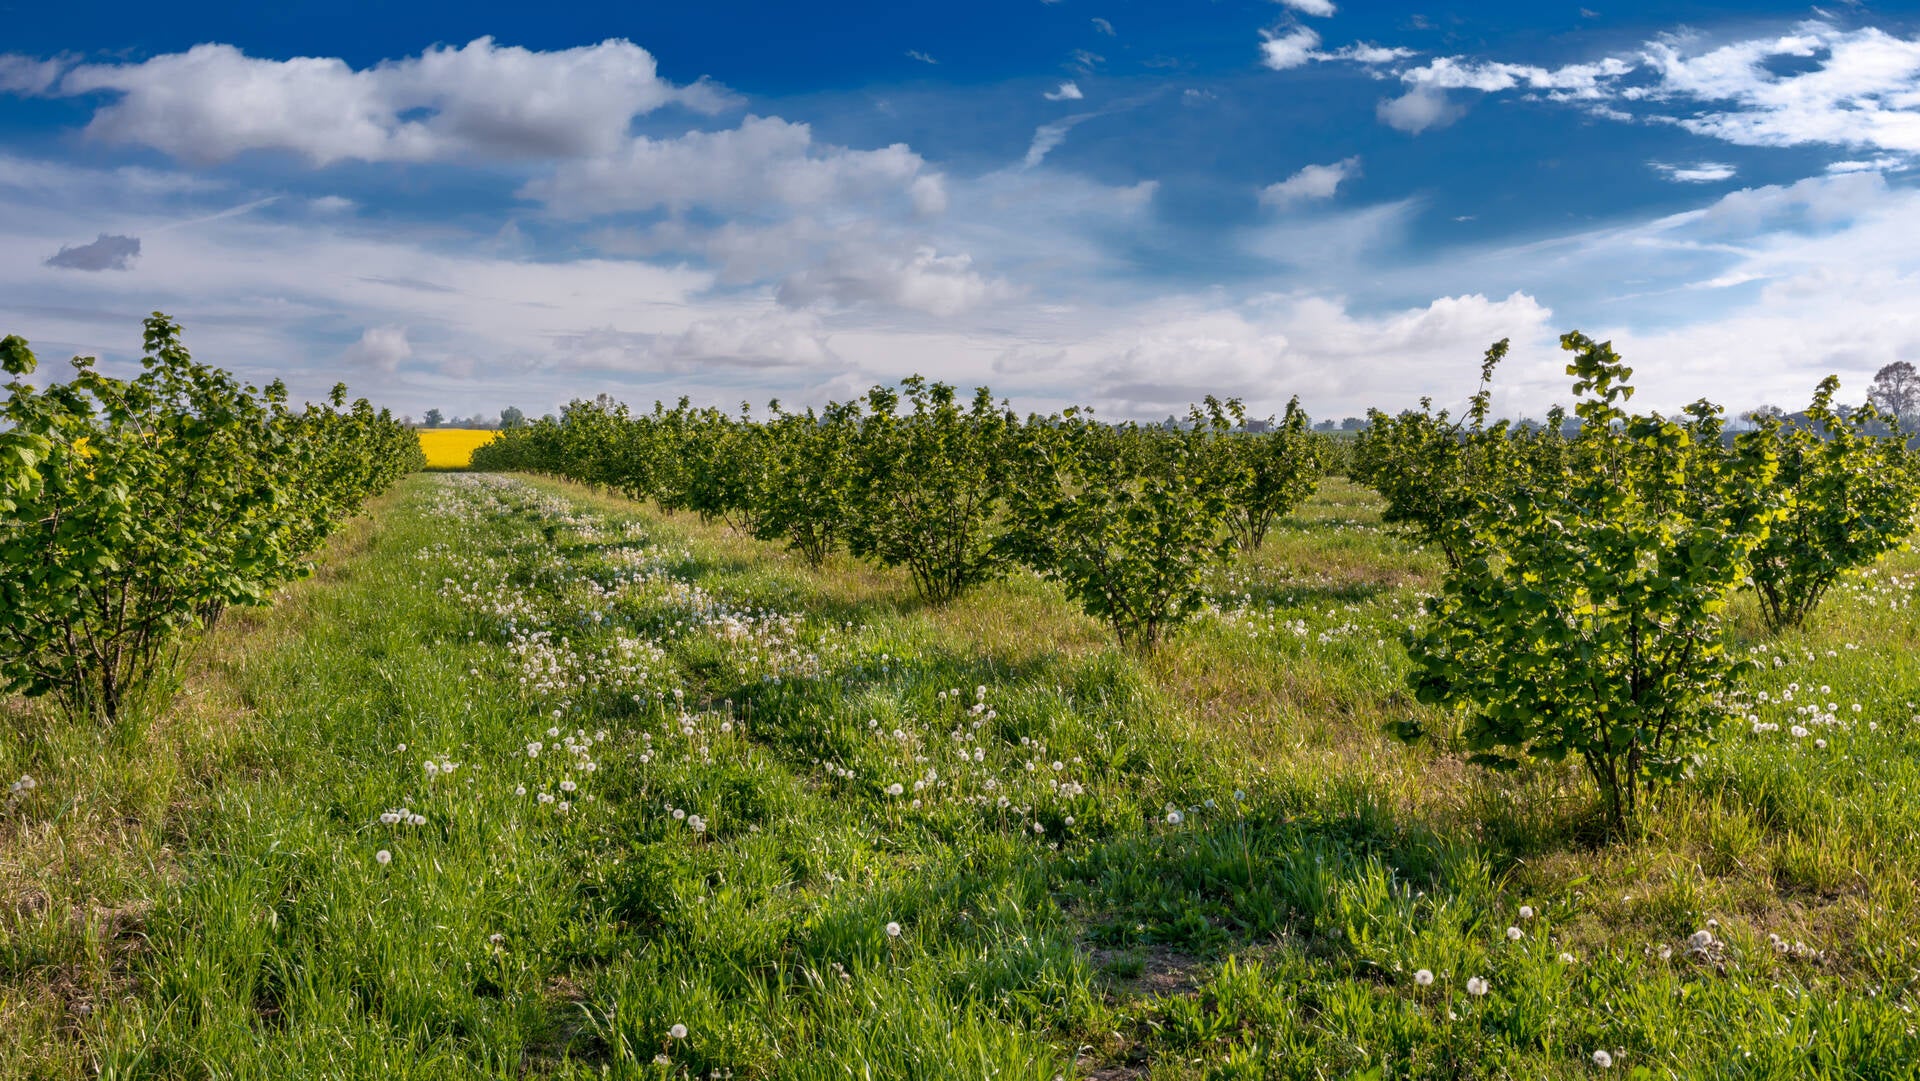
(1477, 986)
(893, 929)
(1423, 977)
(383, 857)
(1603, 1060)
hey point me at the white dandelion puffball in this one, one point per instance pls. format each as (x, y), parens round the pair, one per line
(1526, 912)
(1423, 977)
(1477, 986)
(1174, 818)
(1602, 1060)
(895, 789)
(893, 930)
(383, 857)
(678, 1032)
(1700, 940)
(1513, 934)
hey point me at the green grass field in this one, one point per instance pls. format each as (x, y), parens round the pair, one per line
(657, 801)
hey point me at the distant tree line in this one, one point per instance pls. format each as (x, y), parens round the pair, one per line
(510, 417)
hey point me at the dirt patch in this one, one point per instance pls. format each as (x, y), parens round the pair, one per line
(1149, 970)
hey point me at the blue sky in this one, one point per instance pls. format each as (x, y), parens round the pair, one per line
(1109, 202)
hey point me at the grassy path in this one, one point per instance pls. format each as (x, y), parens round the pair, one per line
(657, 802)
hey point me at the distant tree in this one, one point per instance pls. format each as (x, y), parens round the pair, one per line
(1896, 390)
(1324, 426)
(512, 417)
(1352, 424)
(434, 418)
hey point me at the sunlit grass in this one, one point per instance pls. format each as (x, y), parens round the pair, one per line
(452, 448)
(1235, 874)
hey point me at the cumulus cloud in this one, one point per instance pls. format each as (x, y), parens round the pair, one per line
(1069, 91)
(1418, 109)
(924, 281)
(1321, 8)
(1281, 51)
(379, 348)
(1310, 183)
(1706, 172)
(1570, 82)
(766, 163)
(109, 252)
(476, 101)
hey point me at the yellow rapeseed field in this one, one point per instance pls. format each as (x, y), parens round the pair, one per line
(452, 448)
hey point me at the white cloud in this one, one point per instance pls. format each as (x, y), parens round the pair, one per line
(379, 348)
(1103, 26)
(1418, 109)
(1875, 165)
(916, 54)
(764, 164)
(332, 204)
(480, 100)
(1365, 52)
(1706, 172)
(1048, 136)
(1270, 347)
(755, 341)
(1289, 50)
(26, 75)
(1311, 182)
(924, 281)
(1069, 91)
(1852, 88)
(1321, 8)
(1571, 82)
(1862, 89)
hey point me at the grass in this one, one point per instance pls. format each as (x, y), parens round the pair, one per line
(452, 448)
(1207, 864)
